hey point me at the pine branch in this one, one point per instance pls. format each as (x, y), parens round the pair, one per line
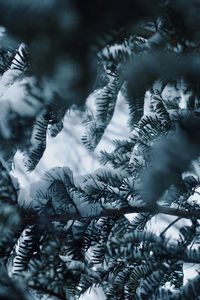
(32, 217)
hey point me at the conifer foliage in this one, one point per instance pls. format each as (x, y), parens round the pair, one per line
(68, 234)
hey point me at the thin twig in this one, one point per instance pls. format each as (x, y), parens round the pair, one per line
(171, 224)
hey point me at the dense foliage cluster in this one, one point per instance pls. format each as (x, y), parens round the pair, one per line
(66, 234)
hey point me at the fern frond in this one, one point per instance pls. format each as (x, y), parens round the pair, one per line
(22, 252)
(191, 290)
(135, 105)
(192, 255)
(38, 142)
(8, 188)
(11, 289)
(175, 275)
(20, 60)
(149, 284)
(98, 250)
(160, 109)
(9, 224)
(138, 272)
(122, 53)
(105, 100)
(56, 115)
(139, 221)
(117, 161)
(141, 236)
(55, 129)
(116, 290)
(6, 58)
